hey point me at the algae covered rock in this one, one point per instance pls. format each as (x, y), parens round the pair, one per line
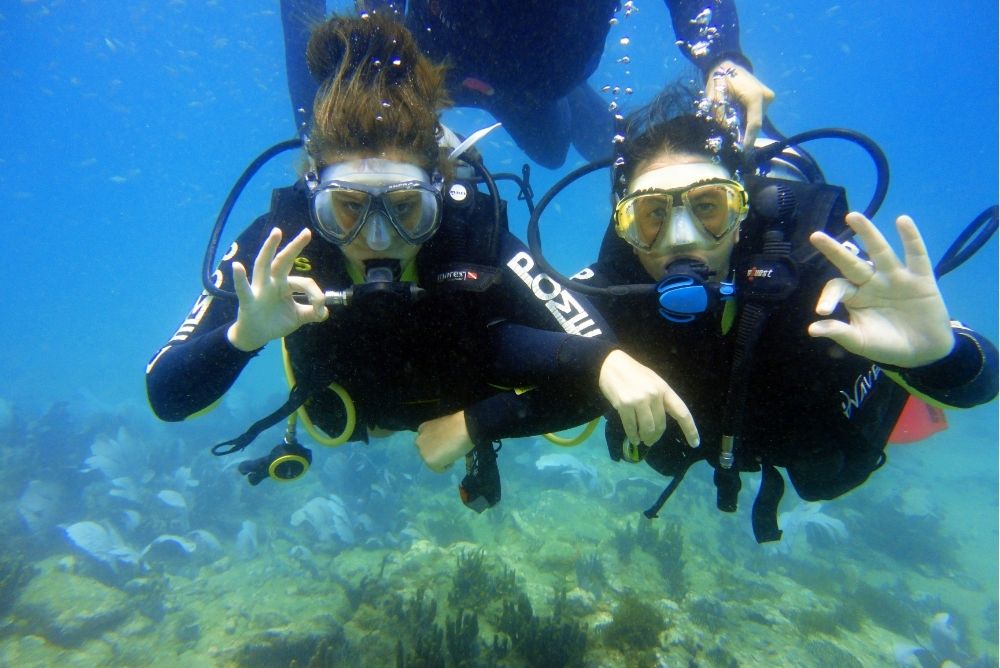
(68, 609)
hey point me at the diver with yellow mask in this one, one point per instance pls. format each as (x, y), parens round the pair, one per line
(714, 277)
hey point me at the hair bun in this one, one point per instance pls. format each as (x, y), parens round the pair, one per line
(381, 48)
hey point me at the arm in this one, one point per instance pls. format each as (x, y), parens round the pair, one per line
(898, 319)
(206, 355)
(574, 374)
(710, 38)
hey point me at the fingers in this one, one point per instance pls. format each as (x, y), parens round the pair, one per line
(262, 265)
(651, 422)
(845, 335)
(834, 292)
(875, 244)
(678, 410)
(240, 283)
(914, 249)
(754, 121)
(316, 311)
(284, 261)
(855, 269)
(629, 424)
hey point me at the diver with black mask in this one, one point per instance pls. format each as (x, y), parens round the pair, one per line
(400, 299)
(714, 280)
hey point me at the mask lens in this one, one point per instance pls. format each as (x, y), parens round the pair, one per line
(639, 219)
(414, 211)
(715, 206)
(339, 211)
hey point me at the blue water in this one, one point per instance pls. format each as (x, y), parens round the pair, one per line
(124, 125)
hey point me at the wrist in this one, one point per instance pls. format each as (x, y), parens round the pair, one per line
(238, 339)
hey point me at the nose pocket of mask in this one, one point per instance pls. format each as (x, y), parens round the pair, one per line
(377, 234)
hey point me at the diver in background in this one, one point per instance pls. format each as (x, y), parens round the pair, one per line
(527, 62)
(769, 384)
(376, 217)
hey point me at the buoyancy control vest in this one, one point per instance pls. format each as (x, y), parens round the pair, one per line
(774, 266)
(462, 257)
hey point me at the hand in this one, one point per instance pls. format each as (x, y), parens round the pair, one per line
(267, 310)
(747, 90)
(897, 315)
(643, 400)
(443, 440)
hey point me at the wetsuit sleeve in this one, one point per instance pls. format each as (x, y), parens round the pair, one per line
(966, 377)
(570, 334)
(199, 364)
(297, 19)
(552, 340)
(707, 36)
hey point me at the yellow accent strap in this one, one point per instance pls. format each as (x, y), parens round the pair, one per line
(576, 440)
(318, 434)
(898, 379)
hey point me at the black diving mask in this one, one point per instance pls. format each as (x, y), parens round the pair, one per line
(341, 208)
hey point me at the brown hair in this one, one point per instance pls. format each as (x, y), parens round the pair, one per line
(377, 91)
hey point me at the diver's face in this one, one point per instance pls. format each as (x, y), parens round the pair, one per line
(684, 236)
(378, 239)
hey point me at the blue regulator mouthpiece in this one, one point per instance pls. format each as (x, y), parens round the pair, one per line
(686, 293)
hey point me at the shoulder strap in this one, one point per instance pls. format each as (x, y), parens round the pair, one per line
(468, 240)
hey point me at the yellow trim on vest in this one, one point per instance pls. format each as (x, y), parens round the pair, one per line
(568, 442)
(728, 315)
(898, 379)
(318, 434)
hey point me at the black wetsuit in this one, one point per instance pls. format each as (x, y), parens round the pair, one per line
(485, 323)
(811, 407)
(525, 61)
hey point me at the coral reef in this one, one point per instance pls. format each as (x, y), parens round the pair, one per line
(666, 546)
(474, 587)
(552, 641)
(590, 574)
(636, 625)
(15, 574)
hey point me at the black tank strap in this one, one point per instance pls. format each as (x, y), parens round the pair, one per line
(296, 397)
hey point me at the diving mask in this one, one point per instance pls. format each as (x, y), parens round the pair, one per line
(374, 195)
(716, 205)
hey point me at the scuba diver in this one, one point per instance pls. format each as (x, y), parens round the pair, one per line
(527, 62)
(400, 299)
(714, 281)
